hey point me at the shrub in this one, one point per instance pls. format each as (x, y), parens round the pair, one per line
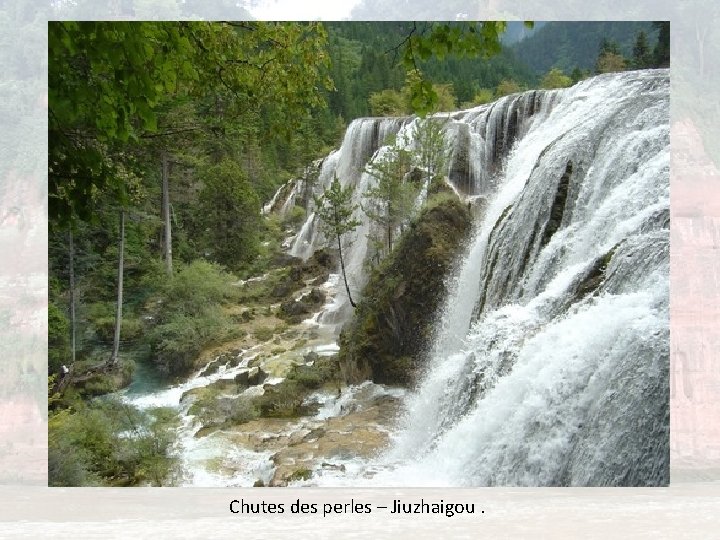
(264, 333)
(110, 443)
(303, 473)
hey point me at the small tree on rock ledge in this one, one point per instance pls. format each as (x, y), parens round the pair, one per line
(335, 210)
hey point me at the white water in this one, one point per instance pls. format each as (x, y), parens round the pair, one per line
(532, 381)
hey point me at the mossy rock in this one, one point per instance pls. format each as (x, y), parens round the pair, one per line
(392, 325)
(303, 473)
(294, 311)
(104, 380)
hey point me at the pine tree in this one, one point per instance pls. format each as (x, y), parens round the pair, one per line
(389, 201)
(432, 149)
(335, 211)
(642, 57)
(662, 48)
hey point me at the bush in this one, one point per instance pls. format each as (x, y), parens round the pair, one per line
(555, 78)
(190, 317)
(110, 443)
(197, 285)
(283, 400)
(243, 410)
(295, 217)
(264, 333)
(178, 341)
(303, 473)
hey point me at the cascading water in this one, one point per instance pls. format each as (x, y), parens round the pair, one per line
(551, 360)
(549, 364)
(363, 138)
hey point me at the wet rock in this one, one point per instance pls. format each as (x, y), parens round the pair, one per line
(256, 376)
(393, 323)
(294, 311)
(255, 362)
(212, 367)
(243, 378)
(333, 467)
(314, 435)
(312, 356)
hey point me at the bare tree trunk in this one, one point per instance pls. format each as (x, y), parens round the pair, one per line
(166, 215)
(118, 313)
(342, 267)
(72, 297)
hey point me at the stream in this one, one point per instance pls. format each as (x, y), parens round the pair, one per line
(347, 425)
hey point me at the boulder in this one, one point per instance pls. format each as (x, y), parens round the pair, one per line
(393, 323)
(256, 376)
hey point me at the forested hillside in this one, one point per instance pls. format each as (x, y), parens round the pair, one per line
(366, 60)
(576, 45)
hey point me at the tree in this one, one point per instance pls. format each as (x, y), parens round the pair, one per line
(609, 62)
(642, 56)
(118, 314)
(335, 211)
(507, 87)
(73, 328)
(390, 200)
(555, 78)
(230, 214)
(439, 40)
(578, 74)
(387, 102)
(433, 150)
(167, 244)
(662, 48)
(610, 58)
(482, 96)
(108, 80)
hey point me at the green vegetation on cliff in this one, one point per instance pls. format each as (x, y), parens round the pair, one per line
(392, 325)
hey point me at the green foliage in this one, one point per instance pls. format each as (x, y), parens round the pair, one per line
(195, 286)
(212, 409)
(570, 45)
(108, 80)
(180, 338)
(443, 39)
(661, 52)
(391, 102)
(642, 56)
(555, 78)
(387, 102)
(112, 443)
(303, 473)
(323, 371)
(507, 87)
(433, 151)
(577, 75)
(609, 62)
(392, 325)
(58, 338)
(335, 209)
(390, 200)
(283, 400)
(482, 96)
(295, 217)
(190, 316)
(231, 214)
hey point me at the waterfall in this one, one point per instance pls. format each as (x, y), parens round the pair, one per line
(550, 364)
(363, 139)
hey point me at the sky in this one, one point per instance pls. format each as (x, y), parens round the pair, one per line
(303, 10)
